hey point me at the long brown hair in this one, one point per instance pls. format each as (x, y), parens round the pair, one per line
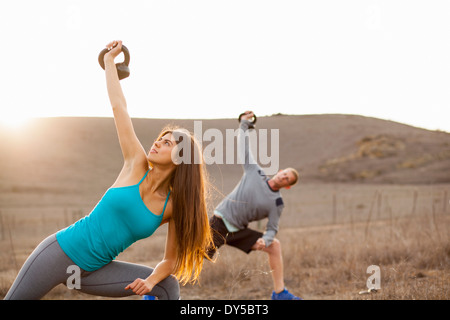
(189, 185)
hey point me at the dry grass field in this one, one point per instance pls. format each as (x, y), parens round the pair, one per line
(372, 192)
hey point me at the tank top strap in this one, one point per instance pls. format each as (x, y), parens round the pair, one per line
(165, 204)
(145, 175)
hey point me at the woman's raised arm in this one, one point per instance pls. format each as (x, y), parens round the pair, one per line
(132, 149)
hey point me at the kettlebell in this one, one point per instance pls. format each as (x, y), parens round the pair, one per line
(123, 70)
(253, 121)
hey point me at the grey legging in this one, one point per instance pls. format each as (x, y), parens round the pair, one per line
(47, 265)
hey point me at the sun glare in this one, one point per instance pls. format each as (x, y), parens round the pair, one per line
(13, 121)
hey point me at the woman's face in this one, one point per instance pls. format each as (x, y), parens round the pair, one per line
(161, 150)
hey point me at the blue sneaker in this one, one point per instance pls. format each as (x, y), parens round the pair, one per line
(146, 297)
(284, 295)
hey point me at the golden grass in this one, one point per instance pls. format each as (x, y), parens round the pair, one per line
(330, 262)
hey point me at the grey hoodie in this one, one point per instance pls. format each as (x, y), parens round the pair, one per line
(252, 199)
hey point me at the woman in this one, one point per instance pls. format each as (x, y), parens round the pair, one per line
(150, 190)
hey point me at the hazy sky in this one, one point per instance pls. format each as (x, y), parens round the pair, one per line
(214, 59)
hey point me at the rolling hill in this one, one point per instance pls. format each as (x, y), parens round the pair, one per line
(77, 159)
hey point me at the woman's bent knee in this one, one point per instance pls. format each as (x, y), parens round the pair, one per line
(168, 289)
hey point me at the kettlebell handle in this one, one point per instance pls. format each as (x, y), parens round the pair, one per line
(120, 65)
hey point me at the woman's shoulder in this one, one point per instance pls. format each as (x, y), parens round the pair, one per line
(131, 174)
(168, 211)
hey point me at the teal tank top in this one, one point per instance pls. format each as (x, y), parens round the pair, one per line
(118, 220)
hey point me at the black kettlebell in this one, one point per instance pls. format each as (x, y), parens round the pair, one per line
(253, 121)
(123, 70)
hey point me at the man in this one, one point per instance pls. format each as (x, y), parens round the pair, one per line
(254, 198)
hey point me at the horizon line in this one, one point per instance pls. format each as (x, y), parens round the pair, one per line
(280, 114)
